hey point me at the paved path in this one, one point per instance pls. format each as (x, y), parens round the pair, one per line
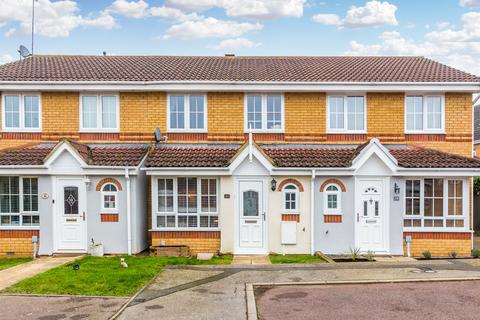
(426, 301)
(15, 274)
(56, 308)
(218, 292)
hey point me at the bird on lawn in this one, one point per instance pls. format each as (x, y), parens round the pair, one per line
(123, 263)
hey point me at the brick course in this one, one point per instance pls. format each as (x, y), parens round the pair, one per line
(440, 244)
(17, 243)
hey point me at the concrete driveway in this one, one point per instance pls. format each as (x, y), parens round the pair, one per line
(432, 300)
(218, 292)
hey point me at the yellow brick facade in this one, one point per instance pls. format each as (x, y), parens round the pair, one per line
(440, 247)
(142, 112)
(195, 245)
(305, 113)
(225, 115)
(385, 115)
(16, 247)
(60, 113)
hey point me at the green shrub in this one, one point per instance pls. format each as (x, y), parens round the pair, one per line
(427, 254)
(476, 253)
(370, 255)
(354, 253)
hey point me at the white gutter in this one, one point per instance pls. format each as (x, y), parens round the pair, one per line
(129, 214)
(312, 213)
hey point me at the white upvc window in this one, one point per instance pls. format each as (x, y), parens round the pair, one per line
(187, 113)
(19, 202)
(99, 113)
(436, 204)
(109, 198)
(264, 113)
(21, 112)
(186, 203)
(332, 199)
(291, 200)
(424, 114)
(346, 114)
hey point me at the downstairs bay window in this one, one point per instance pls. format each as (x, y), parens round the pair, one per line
(187, 203)
(18, 201)
(435, 203)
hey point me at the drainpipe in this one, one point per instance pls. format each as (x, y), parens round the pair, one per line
(129, 214)
(312, 212)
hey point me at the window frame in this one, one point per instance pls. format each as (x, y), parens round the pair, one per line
(445, 216)
(99, 127)
(295, 191)
(156, 213)
(338, 193)
(187, 113)
(264, 112)
(345, 97)
(21, 127)
(111, 193)
(425, 130)
(22, 212)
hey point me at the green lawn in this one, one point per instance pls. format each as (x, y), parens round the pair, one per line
(10, 262)
(103, 276)
(295, 258)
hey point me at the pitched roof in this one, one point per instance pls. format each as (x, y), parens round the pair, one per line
(121, 155)
(192, 155)
(321, 69)
(300, 156)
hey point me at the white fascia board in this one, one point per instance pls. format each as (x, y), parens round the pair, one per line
(259, 86)
(375, 147)
(10, 170)
(438, 172)
(244, 155)
(181, 172)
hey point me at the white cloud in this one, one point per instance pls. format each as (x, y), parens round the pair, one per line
(470, 3)
(255, 9)
(374, 13)
(443, 25)
(131, 9)
(5, 58)
(173, 14)
(235, 44)
(209, 28)
(470, 30)
(52, 19)
(462, 55)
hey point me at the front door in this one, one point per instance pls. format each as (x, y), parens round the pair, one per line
(252, 216)
(71, 233)
(371, 215)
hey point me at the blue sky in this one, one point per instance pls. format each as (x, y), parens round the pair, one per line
(445, 30)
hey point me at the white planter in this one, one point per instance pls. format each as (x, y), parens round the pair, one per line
(96, 250)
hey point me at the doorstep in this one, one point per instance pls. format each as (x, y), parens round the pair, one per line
(251, 259)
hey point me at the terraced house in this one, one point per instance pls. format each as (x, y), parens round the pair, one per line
(252, 154)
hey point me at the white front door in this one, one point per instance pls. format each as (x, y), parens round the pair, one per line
(251, 217)
(71, 230)
(371, 215)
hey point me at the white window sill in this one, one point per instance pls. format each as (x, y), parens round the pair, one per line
(19, 130)
(265, 131)
(333, 214)
(437, 229)
(20, 228)
(187, 131)
(425, 132)
(99, 130)
(108, 212)
(184, 229)
(346, 132)
(290, 212)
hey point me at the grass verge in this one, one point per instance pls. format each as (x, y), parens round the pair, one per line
(6, 263)
(295, 258)
(103, 276)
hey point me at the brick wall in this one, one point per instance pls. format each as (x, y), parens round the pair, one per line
(225, 116)
(305, 116)
(197, 241)
(440, 244)
(60, 114)
(17, 243)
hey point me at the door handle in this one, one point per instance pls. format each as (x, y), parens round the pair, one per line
(83, 215)
(263, 216)
(358, 217)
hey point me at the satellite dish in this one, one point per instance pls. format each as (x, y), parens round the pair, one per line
(158, 135)
(24, 53)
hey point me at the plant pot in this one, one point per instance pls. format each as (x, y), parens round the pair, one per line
(96, 250)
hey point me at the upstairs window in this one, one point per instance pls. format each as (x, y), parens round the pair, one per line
(187, 112)
(99, 113)
(424, 114)
(346, 114)
(21, 112)
(264, 113)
